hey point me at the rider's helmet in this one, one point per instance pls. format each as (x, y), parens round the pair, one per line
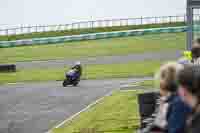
(78, 63)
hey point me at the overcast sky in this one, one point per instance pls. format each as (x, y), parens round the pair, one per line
(14, 12)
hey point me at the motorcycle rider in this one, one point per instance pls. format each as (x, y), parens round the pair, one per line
(78, 69)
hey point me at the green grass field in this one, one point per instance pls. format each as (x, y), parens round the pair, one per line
(117, 113)
(146, 83)
(86, 31)
(132, 69)
(93, 48)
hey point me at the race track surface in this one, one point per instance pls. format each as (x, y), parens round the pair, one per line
(164, 55)
(37, 107)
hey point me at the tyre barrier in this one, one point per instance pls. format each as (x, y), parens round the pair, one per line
(8, 68)
(147, 106)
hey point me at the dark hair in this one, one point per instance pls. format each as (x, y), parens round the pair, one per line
(196, 48)
(189, 77)
(197, 41)
(195, 52)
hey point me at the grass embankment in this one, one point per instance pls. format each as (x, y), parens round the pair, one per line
(86, 31)
(117, 113)
(94, 48)
(147, 83)
(133, 69)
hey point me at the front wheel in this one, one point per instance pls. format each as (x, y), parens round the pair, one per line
(65, 83)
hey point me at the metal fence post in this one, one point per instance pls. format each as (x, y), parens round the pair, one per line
(126, 22)
(111, 21)
(100, 23)
(170, 19)
(29, 29)
(72, 26)
(36, 28)
(66, 27)
(163, 19)
(79, 25)
(7, 34)
(184, 19)
(43, 27)
(21, 30)
(190, 28)
(92, 24)
(155, 20)
(107, 23)
(14, 31)
(120, 22)
(141, 20)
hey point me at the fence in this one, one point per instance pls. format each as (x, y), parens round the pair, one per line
(93, 24)
(103, 35)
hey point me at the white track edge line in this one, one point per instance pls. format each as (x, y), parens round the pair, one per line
(88, 107)
(83, 110)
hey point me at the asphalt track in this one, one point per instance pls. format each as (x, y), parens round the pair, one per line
(164, 55)
(37, 107)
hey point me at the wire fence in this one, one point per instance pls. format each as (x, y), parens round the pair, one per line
(93, 24)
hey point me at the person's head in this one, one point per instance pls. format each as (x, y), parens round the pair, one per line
(189, 85)
(196, 43)
(168, 78)
(196, 49)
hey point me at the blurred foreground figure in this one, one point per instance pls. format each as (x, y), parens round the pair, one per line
(172, 112)
(189, 90)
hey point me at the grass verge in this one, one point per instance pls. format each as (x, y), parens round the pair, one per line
(94, 48)
(86, 31)
(133, 69)
(117, 113)
(147, 83)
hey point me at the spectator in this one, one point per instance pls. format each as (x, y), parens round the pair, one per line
(193, 56)
(172, 112)
(189, 90)
(196, 52)
(186, 59)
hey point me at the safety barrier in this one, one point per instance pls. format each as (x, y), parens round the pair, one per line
(103, 35)
(8, 68)
(119, 22)
(147, 106)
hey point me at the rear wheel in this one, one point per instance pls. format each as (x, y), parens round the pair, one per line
(75, 83)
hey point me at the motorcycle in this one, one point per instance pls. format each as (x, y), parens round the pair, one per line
(71, 78)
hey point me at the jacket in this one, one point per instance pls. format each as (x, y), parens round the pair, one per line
(194, 124)
(177, 115)
(79, 69)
